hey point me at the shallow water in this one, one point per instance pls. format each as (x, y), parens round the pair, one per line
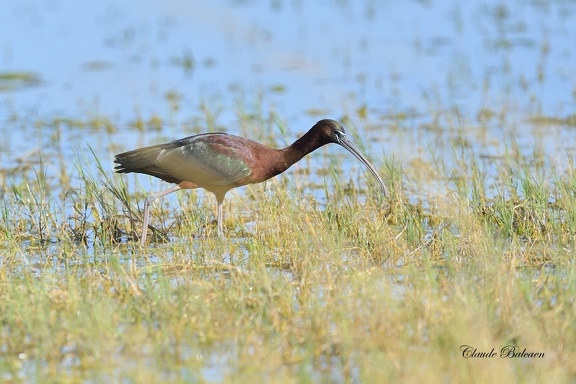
(415, 83)
(297, 60)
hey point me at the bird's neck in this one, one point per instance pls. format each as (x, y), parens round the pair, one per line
(279, 160)
(300, 148)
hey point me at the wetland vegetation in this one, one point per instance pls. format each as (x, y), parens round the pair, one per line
(345, 286)
(465, 272)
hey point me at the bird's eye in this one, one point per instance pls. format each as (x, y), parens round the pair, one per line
(339, 135)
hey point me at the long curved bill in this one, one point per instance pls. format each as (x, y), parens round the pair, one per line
(350, 147)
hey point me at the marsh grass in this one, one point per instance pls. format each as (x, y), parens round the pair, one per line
(337, 285)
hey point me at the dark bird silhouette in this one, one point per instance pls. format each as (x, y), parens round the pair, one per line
(219, 162)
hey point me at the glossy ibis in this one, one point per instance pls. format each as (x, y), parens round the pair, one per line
(219, 162)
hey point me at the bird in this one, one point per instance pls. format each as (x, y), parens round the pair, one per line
(219, 162)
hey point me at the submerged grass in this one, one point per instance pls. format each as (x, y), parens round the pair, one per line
(348, 287)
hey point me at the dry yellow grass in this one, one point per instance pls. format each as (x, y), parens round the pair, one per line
(356, 290)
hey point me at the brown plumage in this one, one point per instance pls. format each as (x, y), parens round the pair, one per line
(219, 162)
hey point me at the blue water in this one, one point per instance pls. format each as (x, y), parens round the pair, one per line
(393, 56)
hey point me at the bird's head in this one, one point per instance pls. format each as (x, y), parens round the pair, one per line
(332, 131)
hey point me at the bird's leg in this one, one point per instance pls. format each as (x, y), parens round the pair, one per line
(220, 220)
(150, 199)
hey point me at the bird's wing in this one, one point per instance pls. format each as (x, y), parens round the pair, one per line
(213, 159)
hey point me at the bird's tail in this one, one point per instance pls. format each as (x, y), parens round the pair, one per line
(142, 160)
